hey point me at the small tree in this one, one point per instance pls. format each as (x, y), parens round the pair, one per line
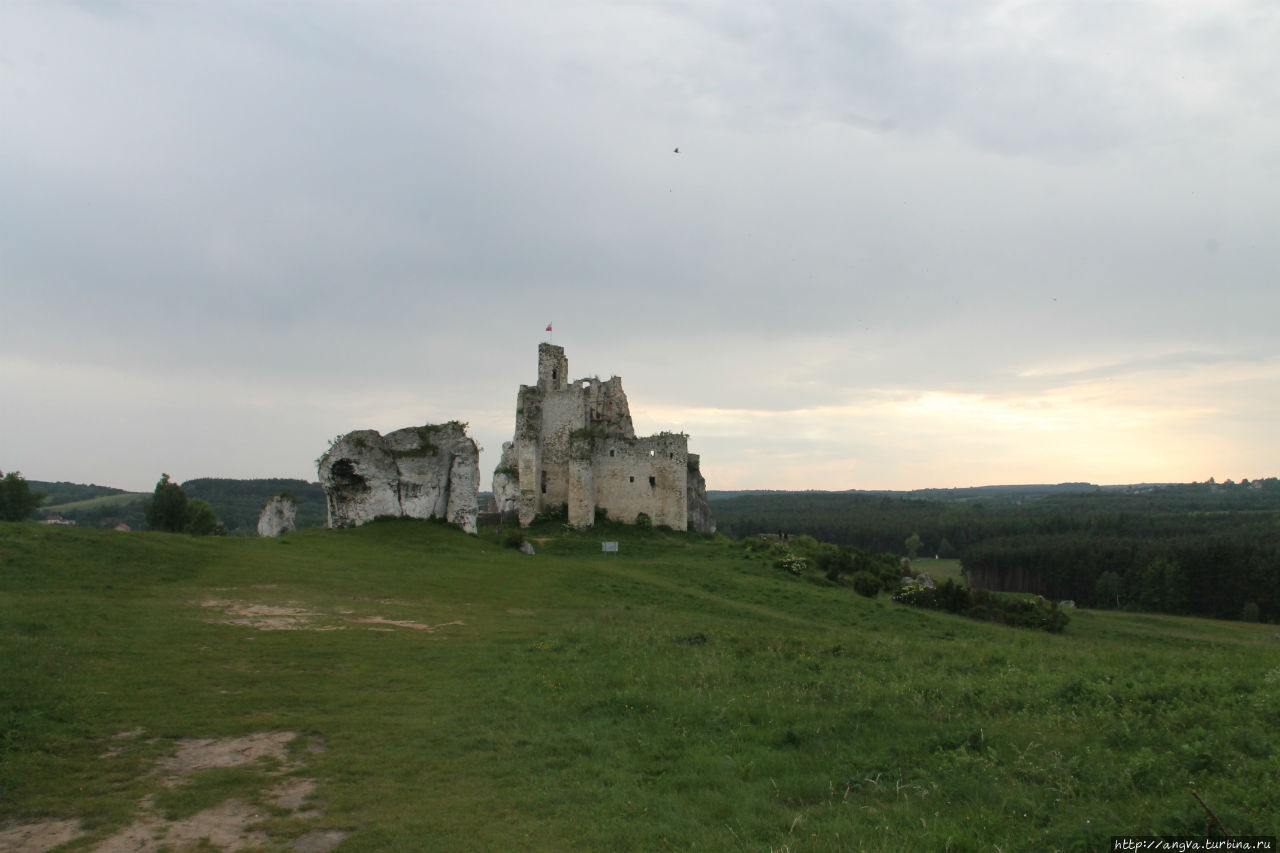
(201, 520)
(167, 507)
(914, 543)
(17, 501)
(1108, 589)
(866, 584)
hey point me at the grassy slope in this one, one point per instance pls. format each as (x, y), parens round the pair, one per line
(120, 500)
(675, 696)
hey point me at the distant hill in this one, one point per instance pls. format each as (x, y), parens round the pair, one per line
(954, 494)
(90, 505)
(238, 503)
(66, 493)
(950, 519)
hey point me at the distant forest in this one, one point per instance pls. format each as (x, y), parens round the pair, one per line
(237, 503)
(1209, 549)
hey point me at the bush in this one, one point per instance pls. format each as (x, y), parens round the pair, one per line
(791, 562)
(644, 521)
(987, 606)
(866, 584)
(201, 519)
(559, 512)
(513, 539)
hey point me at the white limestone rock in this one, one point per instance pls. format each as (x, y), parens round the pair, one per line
(430, 471)
(506, 483)
(277, 516)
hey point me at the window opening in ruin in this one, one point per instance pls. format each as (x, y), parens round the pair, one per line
(653, 481)
(651, 453)
(631, 479)
(610, 452)
(544, 482)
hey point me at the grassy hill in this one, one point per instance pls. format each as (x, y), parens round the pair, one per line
(112, 502)
(405, 687)
(238, 503)
(90, 505)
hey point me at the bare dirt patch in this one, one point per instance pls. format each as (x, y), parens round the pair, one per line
(226, 826)
(264, 617)
(290, 616)
(195, 754)
(320, 842)
(417, 626)
(38, 836)
(292, 793)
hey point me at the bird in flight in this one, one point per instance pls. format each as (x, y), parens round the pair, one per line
(677, 151)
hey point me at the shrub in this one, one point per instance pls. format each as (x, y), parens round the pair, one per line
(513, 539)
(201, 519)
(866, 584)
(987, 606)
(643, 520)
(559, 512)
(791, 562)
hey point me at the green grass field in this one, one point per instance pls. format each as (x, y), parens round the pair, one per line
(939, 570)
(428, 690)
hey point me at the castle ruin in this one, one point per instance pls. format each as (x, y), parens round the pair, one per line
(575, 447)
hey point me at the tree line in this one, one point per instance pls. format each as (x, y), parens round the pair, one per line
(1201, 548)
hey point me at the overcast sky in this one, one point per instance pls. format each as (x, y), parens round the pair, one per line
(902, 245)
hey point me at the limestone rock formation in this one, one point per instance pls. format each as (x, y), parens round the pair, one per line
(506, 483)
(277, 516)
(430, 471)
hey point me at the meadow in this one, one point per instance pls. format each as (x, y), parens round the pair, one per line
(420, 689)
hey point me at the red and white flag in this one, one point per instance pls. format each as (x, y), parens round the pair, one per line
(548, 327)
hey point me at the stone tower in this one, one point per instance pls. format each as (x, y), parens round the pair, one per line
(575, 447)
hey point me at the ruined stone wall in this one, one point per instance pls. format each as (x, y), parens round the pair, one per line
(700, 517)
(627, 477)
(553, 368)
(564, 412)
(575, 446)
